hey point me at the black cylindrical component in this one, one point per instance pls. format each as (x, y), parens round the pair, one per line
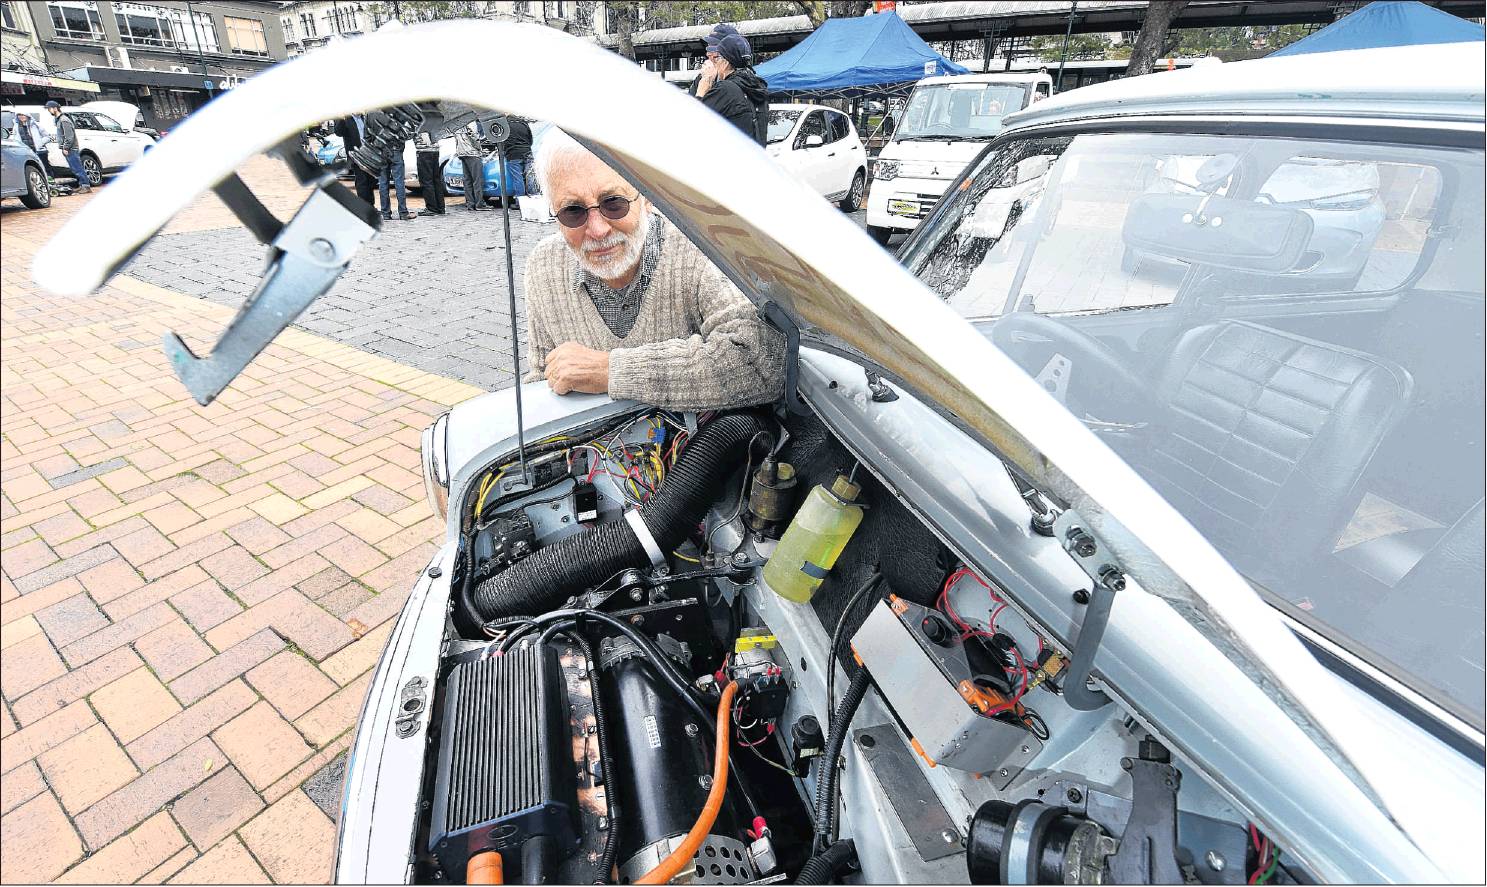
(806, 742)
(542, 581)
(539, 860)
(1032, 843)
(827, 775)
(663, 759)
(824, 867)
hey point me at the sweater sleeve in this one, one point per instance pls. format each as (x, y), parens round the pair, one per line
(735, 359)
(535, 282)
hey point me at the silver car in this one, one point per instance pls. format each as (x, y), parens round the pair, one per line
(1036, 571)
(21, 172)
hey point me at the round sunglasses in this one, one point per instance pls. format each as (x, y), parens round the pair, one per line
(613, 208)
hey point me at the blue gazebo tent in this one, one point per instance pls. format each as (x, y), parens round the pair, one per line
(850, 57)
(1387, 23)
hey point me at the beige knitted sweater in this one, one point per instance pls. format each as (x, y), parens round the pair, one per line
(697, 344)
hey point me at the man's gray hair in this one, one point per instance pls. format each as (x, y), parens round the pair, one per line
(557, 149)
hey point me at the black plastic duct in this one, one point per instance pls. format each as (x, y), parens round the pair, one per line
(544, 580)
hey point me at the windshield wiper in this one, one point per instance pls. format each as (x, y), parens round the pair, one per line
(926, 139)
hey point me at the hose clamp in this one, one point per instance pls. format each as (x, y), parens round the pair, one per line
(647, 541)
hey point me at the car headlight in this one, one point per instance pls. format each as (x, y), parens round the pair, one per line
(436, 466)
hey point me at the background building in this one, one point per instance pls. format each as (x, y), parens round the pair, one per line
(308, 24)
(167, 58)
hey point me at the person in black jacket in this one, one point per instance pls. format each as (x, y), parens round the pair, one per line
(350, 131)
(729, 85)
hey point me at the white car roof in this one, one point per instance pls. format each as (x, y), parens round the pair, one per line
(1439, 82)
(991, 77)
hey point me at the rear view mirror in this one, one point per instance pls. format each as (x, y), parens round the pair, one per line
(814, 141)
(1218, 231)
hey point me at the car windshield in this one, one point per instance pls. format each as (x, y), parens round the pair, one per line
(1283, 336)
(959, 110)
(780, 124)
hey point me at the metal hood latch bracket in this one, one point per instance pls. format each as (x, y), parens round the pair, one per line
(306, 256)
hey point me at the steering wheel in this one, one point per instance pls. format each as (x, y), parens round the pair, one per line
(1081, 372)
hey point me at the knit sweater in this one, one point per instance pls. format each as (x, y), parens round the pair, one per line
(697, 344)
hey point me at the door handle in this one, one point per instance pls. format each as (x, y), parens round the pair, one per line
(832, 154)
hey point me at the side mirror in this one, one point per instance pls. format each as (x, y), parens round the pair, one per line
(814, 141)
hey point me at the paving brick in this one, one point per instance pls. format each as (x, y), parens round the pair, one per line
(220, 472)
(276, 835)
(225, 666)
(234, 566)
(132, 804)
(37, 843)
(95, 501)
(173, 649)
(169, 868)
(153, 593)
(102, 536)
(345, 599)
(380, 608)
(290, 683)
(19, 786)
(402, 571)
(319, 518)
(123, 479)
(23, 560)
(18, 630)
(111, 579)
(227, 863)
(281, 579)
(71, 619)
(278, 508)
(323, 583)
(297, 778)
(309, 543)
(185, 556)
(312, 629)
(131, 856)
(74, 685)
(172, 517)
(86, 768)
(18, 606)
(215, 809)
(134, 704)
(117, 635)
(193, 723)
(205, 605)
(143, 546)
(29, 664)
(59, 529)
(358, 658)
(49, 732)
(335, 715)
(262, 744)
(296, 484)
(258, 535)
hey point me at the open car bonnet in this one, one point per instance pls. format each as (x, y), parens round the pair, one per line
(781, 244)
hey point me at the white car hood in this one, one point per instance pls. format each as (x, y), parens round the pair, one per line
(780, 244)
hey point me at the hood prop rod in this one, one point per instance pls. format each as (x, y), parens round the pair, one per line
(500, 131)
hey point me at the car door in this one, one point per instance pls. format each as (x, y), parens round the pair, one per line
(847, 152)
(92, 139)
(811, 161)
(124, 146)
(13, 164)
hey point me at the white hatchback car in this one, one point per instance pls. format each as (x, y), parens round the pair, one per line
(819, 146)
(105, 145)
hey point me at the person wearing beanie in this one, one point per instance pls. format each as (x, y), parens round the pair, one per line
(729, 85)
(67, 144)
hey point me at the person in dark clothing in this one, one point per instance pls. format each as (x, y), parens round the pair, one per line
(350, 130)
(467, 149)
(67, 144)
(729, 85)
(519, 155)
(430, 176)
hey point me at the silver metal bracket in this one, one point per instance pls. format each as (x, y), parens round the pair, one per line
(305, 258)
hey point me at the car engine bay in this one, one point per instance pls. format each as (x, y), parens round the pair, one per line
(629, 693)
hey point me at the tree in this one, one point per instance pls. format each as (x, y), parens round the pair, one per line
(1081, 46)
(815, 10)
(1152, 38)
(623, 15)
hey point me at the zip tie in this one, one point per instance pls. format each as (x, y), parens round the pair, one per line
(647, 541)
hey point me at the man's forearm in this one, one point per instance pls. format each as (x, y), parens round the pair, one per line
(739, 364)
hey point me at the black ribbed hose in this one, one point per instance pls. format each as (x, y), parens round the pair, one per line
(827, 775)
(826, 865)
(544, 580)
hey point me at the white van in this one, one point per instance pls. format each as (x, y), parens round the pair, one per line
(945, 124)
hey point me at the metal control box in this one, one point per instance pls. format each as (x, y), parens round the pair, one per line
(928, 685)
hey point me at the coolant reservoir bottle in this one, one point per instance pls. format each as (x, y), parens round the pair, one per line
(814, 540)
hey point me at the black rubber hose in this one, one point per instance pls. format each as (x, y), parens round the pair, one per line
(827, 775)
(824, 867)
(545, 579)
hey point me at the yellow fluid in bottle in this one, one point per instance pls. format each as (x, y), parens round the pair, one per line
(814, 540)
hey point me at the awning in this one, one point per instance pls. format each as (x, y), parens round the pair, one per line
(47, 82)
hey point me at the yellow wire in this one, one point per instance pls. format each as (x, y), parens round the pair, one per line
(486, 492)
(685, 558)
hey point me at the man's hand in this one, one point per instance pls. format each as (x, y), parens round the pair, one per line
(705, 80)
(572, 367)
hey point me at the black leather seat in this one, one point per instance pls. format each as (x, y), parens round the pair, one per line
(1261, 437)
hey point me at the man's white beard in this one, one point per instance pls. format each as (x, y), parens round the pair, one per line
(611, 267)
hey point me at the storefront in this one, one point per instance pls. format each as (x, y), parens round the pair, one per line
(20, 88)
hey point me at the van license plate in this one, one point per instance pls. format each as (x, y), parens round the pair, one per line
(903, 208)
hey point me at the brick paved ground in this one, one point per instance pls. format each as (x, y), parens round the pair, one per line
(191, 599)
(430, 293)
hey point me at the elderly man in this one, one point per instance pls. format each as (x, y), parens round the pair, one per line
(620, 301)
